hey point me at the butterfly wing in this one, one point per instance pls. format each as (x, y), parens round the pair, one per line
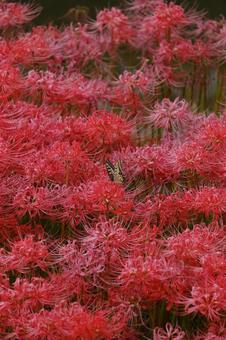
(118, 174)
(110, 170)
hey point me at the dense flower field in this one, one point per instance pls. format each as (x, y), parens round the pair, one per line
(113, 175)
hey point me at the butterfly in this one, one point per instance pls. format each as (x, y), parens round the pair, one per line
(115, 172)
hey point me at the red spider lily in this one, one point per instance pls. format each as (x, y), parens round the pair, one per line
(170, 115)
(221, 42)
(68, 321)
(77, 265)
(108, 243)
(34, 294)
(216, 330)
(129, 89)
(61, 163)
(108, 197)
(189, 156)
(48, 45)
(71, 205)
(83, 254)
(11, 82)
(203, 52)
(106, 131)
(107, 236)
(150, 162)
(65, 90)
(143, 279)
(210, 201)
(169, 332)
(80, 45)
(180, 207)
(114, 28)
(10, 157)
(35, 202)
(166, 19)
(212, 135)
(25, 254)
(12, 14)
(36, 47)
(192, 246)
(208, 299)
(214, 264)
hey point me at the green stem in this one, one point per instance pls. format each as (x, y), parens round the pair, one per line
(193, 83)
(219, 89)
(202, 95)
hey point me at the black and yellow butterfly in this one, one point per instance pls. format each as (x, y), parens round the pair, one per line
(115, 172)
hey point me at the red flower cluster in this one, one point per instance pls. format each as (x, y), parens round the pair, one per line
(134, 249)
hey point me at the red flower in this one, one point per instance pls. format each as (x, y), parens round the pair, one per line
(170, 332)
(170, 115)
(61, 163)
(198, 244)
(13, 14)
(35, 202)
(166, 20)
(208, 299)
(108, 197)
(144, 279)
(11, 82)
(106, 131)
(114, 27)
(150, 162)
(27, 254)
(37, 46)
(69, 322)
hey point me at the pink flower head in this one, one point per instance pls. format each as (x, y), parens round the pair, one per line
(212, 135)
(192, 246)
(27, 254)
(150, 162)
(11, 82)
(170, 115)
(62, 163)
(203, 52)
(189, 156)
(169, 333)
(166, 19)
(70, 321)
(114, 26)
(210, 201)
(216, 331)
(79, 45)
(168, 16)
(73, 205)
(108, 197)
(37, 46)
(207, 298)
(174, 208)
(183, 50)
(33, 202)
(130, 88)
(108, 240)
(64, 88)
(32, 295)
(13, 14)
(143, 278)
(106, 131)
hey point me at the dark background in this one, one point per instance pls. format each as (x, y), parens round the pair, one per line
(54, 9)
